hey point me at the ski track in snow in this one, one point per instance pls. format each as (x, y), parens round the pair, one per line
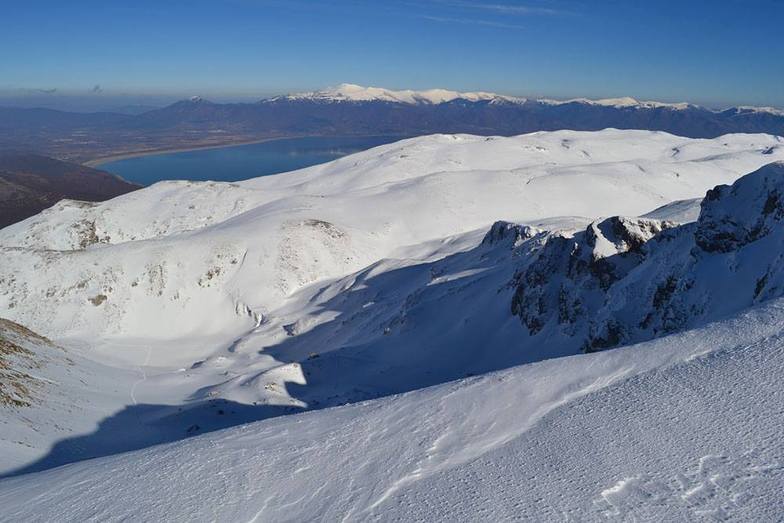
(144, 375)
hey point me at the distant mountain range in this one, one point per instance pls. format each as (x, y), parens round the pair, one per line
(354, 110)
(30, 183)
(358, 93)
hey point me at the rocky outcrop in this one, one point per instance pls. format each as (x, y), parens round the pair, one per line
(624, 280)
(512, 233)
(19, 364)
(732, 216)
(569, 275)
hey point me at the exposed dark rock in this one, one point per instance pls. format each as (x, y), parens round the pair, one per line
(733, 216)
(511, 232)
(570, 272)
(31, 183)
(624, 280)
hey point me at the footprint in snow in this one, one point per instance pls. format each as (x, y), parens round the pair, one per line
(714, 489)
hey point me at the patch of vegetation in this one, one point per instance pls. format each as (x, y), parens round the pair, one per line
(98, 299)
(87, 234)
(16, 385)
(211, 273)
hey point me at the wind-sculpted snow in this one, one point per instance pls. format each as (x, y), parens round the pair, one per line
(684, 428)
(680, 211)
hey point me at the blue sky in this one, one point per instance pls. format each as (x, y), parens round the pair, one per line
(712, 52)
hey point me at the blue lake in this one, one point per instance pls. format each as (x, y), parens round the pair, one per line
(240, 162)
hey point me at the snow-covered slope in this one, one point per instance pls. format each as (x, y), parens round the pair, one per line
(48, 393)
(757, 109)
(210, 260)
(624, 280)
(523, 294)
(211, 305)
(685, 428)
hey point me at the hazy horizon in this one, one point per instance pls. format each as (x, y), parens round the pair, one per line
(715, 55)
(89, 100)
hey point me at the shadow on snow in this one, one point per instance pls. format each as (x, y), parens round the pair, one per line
(421, 331)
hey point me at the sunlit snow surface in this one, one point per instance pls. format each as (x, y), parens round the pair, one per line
(190, 307)
(683, 428)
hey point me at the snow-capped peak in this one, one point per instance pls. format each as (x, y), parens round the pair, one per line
(347, 92)
(623, 102)
(357, 93)
(754, 109)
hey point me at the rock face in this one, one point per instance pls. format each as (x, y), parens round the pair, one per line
(570, 275)
(511, 233)
(624, 280)
(733, 216)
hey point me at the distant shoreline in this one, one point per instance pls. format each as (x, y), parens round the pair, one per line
(97, 162)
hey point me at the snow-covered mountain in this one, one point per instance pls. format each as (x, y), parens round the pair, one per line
(213, 259)
(356, 93)
(482, 277)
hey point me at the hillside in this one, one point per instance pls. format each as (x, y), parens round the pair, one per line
(211, 259)
(30, 183)
(683, 428)
(49, 393)
(216, 304)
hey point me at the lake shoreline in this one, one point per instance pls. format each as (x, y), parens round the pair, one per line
(97, 162)
(240, 161)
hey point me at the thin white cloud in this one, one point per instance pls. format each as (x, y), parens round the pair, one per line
(470, 21)
(29, 90)
(508, 9)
